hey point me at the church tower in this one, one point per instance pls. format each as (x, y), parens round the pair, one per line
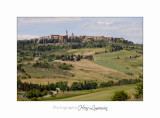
(66, 32)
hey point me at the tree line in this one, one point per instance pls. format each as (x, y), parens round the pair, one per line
(119, 82)
(36, 90)
(74, 40)
(73, 57)
(41, 65)
(63, 85)
(29, 45)
(87, 85)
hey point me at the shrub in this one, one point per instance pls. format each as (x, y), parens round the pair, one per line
(141, 76)
(34, 99)
(50, 60)
(90, 57)
(38, 93)
(51, 93)
(64, 66)
(44, 93)
(96, 53)
(19, 60)
(120, 96)
(20, 69)
(70, 65)
(24, 77)
(139, 90)
(41, 65)
(129, 73)
(28, 63)
(31, 94)
(28, 76)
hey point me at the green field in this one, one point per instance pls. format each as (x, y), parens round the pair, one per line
(123, 64)
(101, 94)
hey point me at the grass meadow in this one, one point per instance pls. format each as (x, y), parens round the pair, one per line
(100, 94)
(124, 64)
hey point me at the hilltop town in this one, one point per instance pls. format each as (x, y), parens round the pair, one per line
(59, 38)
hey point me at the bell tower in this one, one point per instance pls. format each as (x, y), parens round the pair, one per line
(66, 32)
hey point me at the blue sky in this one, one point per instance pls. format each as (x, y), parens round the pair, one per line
(130, 28)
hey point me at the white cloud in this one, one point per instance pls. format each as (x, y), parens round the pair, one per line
(26, 36)
(44, 20)
(118, 26)
(104, 23)
(130, 30)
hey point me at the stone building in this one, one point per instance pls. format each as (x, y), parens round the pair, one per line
(82, 36)
(72, 36)
(109, 38)
(63, 38)
(58, 37)
(122, 39)
(88, 38)
(99, 38)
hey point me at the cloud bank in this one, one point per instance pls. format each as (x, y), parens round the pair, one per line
(130, 30)
(26, 36)
(46, 20)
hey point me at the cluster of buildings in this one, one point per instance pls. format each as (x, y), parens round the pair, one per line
(63, 38)
(58, 37)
